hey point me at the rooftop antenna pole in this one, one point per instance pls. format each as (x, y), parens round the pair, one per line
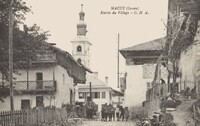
(118, 62)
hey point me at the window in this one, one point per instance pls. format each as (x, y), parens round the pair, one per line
(103, 94)
(79, 49)
(96, 95)
(39, 101)
(25, 104)
(39, 76)
(81, 96)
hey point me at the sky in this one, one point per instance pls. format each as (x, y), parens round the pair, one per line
(60, 17)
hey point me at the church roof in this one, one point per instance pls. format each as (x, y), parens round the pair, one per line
(156, 44)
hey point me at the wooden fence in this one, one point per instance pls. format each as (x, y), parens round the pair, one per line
(34, 117)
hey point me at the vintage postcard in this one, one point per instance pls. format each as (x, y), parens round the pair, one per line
(99, 62)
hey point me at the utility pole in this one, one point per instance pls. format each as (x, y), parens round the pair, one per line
(90, 91)
(10, 38)
(118, 62)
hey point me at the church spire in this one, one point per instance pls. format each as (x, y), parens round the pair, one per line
(81, 26)
(81, 14)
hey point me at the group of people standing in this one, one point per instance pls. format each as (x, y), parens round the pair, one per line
(109, 112)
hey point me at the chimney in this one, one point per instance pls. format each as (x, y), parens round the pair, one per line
(96, 73)
(106, 79)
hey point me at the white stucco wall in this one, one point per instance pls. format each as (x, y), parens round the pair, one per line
(64, 84)
(5, 106)
(137, 78)
(84, 55)
(136, 87)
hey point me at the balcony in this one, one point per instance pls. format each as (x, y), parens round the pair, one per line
(29, 87)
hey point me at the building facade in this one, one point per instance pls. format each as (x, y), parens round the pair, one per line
(48, 81)
(140, 67)
(101, 93)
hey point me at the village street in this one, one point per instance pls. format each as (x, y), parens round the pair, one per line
(100, 123)
(146, 63)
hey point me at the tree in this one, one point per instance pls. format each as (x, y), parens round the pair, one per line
(180, 34)
(19, 10)
(26, 44)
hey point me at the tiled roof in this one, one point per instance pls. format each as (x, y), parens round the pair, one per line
(156, 44)
(95, 81)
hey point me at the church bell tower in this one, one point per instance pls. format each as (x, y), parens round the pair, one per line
(80, 44)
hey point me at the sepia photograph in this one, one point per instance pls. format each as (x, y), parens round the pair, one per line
(100, 63)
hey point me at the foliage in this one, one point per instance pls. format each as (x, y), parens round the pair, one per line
(26, 44)
(170, 103)
(180, 35)
(4, 92)
(181, 30)
(25, 47)
(79, 109)
(138, 112)
(71, 110)
(19, 10)
(169, 119)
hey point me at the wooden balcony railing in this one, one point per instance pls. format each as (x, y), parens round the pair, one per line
(39, 86)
